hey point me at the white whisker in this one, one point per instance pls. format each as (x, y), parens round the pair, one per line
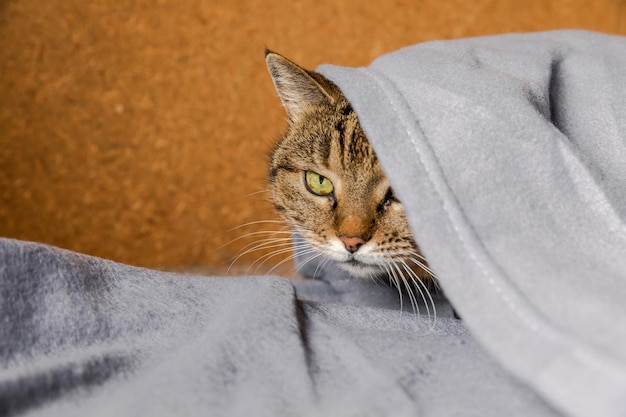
(316, 254)
(395, 281)
(424, 292)
(271, 240)
(320, 266)
(261, 260)
(257, 222)
(416, 283)
(286, 247)
(256, 233)
(268, 256)
(409, 290)
(261, 246)
(252, 194)
(421, 264)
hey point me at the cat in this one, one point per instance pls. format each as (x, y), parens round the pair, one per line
(327, 183)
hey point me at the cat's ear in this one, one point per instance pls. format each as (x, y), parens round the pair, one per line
(298, 89)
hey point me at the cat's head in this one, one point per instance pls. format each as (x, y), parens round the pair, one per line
(327, 182)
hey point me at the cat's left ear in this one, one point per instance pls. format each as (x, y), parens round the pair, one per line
(298, 89)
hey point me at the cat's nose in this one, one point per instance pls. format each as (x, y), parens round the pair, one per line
(353, 243)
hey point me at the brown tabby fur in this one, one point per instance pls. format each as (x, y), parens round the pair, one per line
(324, 136)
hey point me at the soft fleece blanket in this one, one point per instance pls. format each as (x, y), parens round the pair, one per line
(508, 153)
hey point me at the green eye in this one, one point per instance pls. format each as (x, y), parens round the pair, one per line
(317, 184)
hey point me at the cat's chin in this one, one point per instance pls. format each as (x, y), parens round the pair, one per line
(361, 270)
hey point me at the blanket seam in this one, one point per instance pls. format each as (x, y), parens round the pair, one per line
(524, 317)
(534, 324)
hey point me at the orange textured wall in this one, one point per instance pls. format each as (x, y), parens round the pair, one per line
(139, 131)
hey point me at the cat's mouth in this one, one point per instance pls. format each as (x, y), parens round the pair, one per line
(359, 268)
(354, 263)
(359, 264)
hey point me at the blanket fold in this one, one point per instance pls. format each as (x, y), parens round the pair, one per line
(508, 154)
(86, 336)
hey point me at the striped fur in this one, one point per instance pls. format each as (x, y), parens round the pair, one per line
(361, 225)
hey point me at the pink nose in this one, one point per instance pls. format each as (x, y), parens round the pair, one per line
(352, 244)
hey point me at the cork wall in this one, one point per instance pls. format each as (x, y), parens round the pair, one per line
(139, 130)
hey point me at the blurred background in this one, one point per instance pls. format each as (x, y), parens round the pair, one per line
(139, 131)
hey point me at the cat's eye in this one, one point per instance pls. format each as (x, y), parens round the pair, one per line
(318, 184)
(387, 200)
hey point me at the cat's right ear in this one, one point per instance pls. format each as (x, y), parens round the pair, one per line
(296, 87)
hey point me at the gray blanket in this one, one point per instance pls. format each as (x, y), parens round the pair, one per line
(509, 154)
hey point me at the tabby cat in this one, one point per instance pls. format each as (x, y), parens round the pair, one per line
(327, 183)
